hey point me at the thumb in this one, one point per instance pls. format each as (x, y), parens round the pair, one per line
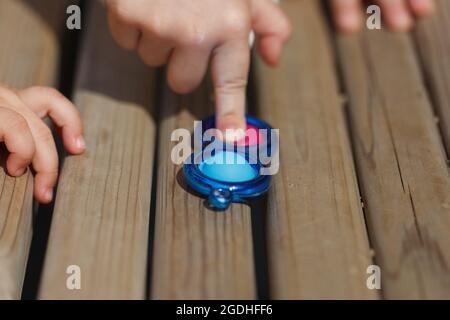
(230, 68)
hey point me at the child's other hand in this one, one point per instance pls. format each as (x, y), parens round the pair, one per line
(399, 15)
(187, 34)
(29, 140)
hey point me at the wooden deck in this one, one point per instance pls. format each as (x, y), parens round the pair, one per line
(364, 179)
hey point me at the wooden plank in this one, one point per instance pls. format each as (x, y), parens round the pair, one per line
(101, 215)
(433, 43)
(29, 56)
(317, 242)
(198, 253)
(401, 162)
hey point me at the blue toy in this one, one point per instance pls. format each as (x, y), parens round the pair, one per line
(231, 173)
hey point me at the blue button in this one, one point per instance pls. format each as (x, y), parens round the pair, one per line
(228, 166)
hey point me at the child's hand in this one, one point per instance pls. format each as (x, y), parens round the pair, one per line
(29, 140)
(398, 14)
(187, 34)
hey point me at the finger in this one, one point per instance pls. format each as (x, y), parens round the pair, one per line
(347, 14)
(230, 67)
(187, 67)
(422, 7)
(125, 34)
(49, 102)
(154, 51)
(272, 27)
(45, 161)
(396, 14)
(16, 135)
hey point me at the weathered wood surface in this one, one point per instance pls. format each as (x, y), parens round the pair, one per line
(198, 253)
(101, 216)
(317, 241)
(29, 55)
(401, 162)
(433, 44)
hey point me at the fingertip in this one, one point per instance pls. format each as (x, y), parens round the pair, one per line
(126, 35)
(78, 146)
(15, 170)
(401, 23)
(47, 195)
(230, 122)
(271, 50)
(397, 15)
(80, 143)
(422, 7)
(73, 142)
(348, 15)
(180, 86)
(349, 22)
(187, 67)
(348, 25)
(15, 166)
(43, 195)
(43, 187)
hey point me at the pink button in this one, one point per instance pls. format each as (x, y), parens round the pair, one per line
(252, 137)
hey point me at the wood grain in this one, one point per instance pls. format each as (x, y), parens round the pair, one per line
(433, 43)
(401, 162)
(317, 241)
(198, 253)
(101, 215)
(29, 56)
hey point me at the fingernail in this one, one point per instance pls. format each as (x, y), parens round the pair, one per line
(48, 194)
(422, 7)
(351, 22)
(232, 134)
(232, 128)
(81, 144)
(403, 21)
(19, 172)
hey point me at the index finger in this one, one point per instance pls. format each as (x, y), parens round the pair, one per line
(49, 102)
(230, 68)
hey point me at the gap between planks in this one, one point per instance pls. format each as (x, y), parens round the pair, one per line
(101, 215)
(401, 163)
(29, 56)
(198, 253)
(317, 240)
